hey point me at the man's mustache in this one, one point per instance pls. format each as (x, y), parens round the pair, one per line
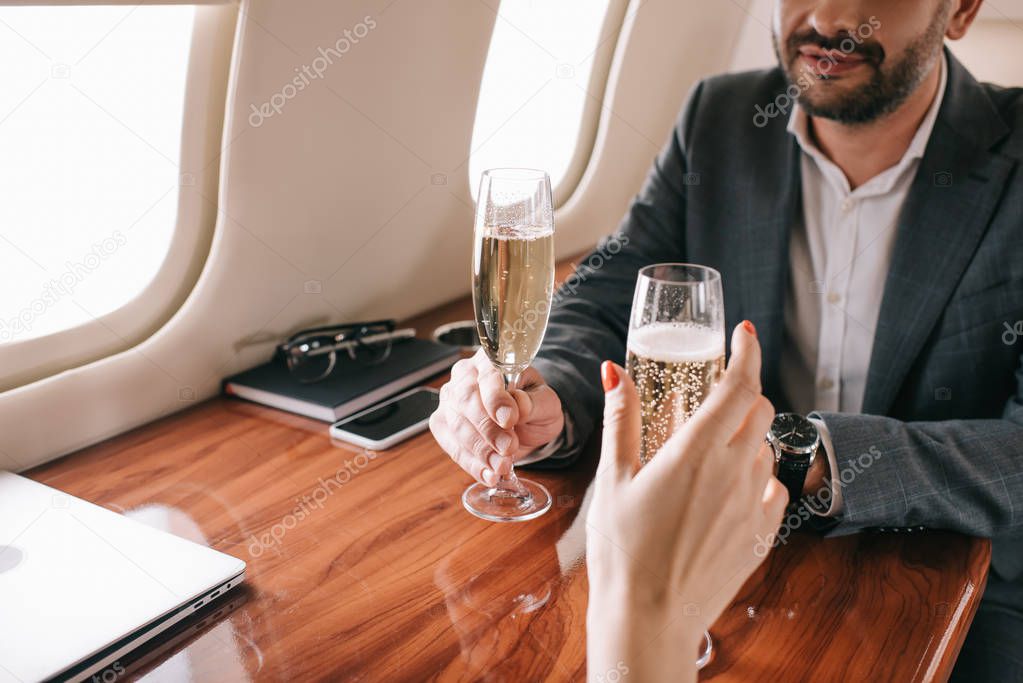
(842, 44)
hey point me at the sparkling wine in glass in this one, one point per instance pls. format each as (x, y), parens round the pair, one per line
(512, 286)
(675, 353)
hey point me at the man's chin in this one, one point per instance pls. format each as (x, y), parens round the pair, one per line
(835, 96)
(840, 111)
(830, 106)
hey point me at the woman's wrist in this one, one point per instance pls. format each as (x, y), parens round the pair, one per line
(650, 641)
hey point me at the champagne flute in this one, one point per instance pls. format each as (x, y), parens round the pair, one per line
(512, 286)
(675, 353)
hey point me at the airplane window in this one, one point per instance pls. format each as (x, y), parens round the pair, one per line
(536, 87)
(90, 135)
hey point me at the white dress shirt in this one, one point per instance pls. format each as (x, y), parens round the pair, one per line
(839, 256)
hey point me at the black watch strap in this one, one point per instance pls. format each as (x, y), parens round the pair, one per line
(792, 477)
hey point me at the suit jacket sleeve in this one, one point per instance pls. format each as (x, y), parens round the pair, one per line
(590, 317)
(963, 475)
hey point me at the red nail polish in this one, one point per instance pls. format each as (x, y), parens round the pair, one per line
(749, 327)
(608, 375)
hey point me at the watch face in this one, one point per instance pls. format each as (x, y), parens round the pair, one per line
(794, 431)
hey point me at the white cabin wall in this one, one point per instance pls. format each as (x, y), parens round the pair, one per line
(334, 209)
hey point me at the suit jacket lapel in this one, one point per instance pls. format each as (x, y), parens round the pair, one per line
(947, 211)
(773, 204)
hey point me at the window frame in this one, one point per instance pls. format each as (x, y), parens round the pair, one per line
(593, 102)
(23, 362)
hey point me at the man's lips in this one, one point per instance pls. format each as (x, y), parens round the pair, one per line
(821, 62)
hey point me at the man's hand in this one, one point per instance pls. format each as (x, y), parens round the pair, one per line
(484, 428)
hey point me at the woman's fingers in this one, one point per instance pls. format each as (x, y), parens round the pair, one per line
(734, 404)
(775, 500)
(751, 436)
(730, 401)
(762, 467)
(619, 453)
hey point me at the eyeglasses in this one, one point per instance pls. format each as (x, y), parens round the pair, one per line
(311, 355)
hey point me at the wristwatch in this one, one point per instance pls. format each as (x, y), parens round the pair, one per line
(795, 441)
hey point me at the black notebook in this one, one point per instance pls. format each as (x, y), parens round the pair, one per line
(350, 388)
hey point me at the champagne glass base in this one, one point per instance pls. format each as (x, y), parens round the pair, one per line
(496, 505)
(708, 650)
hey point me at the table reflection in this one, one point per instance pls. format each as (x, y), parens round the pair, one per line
(211, 631)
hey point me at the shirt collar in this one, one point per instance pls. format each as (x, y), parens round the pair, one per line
(798, 127)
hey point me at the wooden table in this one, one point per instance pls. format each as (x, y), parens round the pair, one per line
(365, 567)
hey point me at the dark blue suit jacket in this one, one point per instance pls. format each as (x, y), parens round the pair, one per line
(944, 396)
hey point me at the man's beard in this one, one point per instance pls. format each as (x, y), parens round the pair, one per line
(887, 88)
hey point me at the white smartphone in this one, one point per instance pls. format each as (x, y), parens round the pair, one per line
(390, 422)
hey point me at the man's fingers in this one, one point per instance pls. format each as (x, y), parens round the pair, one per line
(619, 453)
(500, 405)
(476, 468)
(465, 394)
(471, 441)
(524, 405)
(541, 417)
(544, 405)
(466, 367)
(530, 379)
(470, 405)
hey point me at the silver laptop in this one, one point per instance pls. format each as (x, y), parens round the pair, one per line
(81, 586)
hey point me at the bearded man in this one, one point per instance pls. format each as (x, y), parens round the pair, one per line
(864, 206)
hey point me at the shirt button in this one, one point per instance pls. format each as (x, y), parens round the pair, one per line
(834, 297)
(848, 204)
(827, 383)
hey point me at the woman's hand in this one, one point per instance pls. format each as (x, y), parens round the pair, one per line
(668, 546)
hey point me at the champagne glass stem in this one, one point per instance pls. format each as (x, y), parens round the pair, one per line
(511, 380)
(509, 482)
